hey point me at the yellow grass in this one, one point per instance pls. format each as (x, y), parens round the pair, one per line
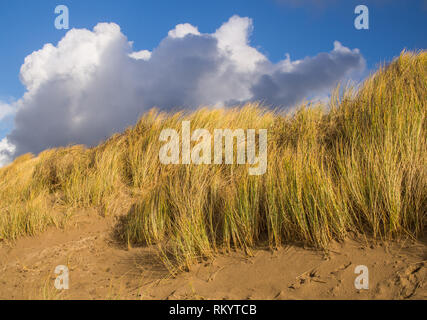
(357, 165)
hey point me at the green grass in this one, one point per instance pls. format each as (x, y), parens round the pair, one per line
(357, 165)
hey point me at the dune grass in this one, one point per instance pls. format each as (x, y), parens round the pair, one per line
(357, 165)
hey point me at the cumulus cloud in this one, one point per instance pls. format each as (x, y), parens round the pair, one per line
(181, 30)
(92, 84)
(6, 152)
(141, 55)
(291, 82)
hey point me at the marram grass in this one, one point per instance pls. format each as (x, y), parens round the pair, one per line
(357, 165)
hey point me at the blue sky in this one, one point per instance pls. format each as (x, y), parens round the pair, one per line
(301, 28)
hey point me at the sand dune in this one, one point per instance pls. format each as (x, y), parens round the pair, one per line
(101, 268)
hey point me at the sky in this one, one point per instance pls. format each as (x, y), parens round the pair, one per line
(120, 58)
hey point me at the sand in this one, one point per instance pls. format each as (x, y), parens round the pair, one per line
(102, 268)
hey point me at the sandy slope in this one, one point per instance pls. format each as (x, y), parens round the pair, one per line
(102, 269)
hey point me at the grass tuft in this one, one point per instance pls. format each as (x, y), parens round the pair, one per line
(357, 165)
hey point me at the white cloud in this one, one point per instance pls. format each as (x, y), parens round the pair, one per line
(92, 84)
(141, 55)
(77, 56)
(233, 41)
(181, 30)
(291, 81)
(6, 151)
